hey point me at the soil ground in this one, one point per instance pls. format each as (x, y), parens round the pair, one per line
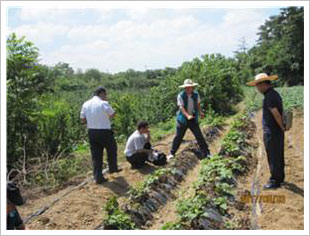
(82, 208)
(287, 213)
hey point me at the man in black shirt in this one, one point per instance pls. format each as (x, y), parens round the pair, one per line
(273, 128)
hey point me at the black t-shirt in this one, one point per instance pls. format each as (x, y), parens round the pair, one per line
(272, 99)
(13, 220)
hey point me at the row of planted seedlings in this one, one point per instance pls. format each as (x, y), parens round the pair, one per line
(216, 184)
(148, 196)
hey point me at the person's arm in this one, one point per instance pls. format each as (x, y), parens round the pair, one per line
(277, 116)
(83, 121)
(148, 139)
(21, 227)
(112, 116)
(188, 116)
(83, 115)
(19, 224)
(202, 115)
(272, 101)
(140, 146)
(108, 109)
(144, 151)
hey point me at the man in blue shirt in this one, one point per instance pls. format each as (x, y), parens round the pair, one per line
(273, 128)
(187, 117)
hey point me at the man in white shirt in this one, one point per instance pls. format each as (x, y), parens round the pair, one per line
(96, 113)
(138, 147)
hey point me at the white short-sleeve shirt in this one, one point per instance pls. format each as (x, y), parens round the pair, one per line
(190, 103)
(97, 112)
(135, 142)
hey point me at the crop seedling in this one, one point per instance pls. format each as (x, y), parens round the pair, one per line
(115, 218)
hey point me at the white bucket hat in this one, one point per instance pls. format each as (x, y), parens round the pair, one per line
(188, 83)
(260, 78)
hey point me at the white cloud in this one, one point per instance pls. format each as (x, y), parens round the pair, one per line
(41, 33)
(146, 37)
(42, 14)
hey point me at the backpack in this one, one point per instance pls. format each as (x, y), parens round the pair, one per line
(287, 119)
(158, 158)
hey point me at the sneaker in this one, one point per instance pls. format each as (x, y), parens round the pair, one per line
(169, 157)
(208, 155)
(271, 185)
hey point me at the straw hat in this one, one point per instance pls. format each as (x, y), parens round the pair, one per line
(260, 78)
(188, 83)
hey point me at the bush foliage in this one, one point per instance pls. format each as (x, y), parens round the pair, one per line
(43, 102)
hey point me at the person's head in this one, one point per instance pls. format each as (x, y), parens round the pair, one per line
(262, 82)
(143, 127)
(13, 194)
(262, 87)
(189, 90)
(188, 86)
(101, 92)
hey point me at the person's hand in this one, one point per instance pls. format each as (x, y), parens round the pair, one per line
(148, 133)
(202, 115)
(190, 117)
(105, 97)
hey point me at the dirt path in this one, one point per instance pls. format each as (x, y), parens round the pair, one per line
(288, 215)
(185, 190)
(82, 208)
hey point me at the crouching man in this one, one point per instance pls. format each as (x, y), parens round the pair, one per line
(139, 150)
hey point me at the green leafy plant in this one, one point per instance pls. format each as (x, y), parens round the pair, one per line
(172, 226)
(143, 187)
(116, 218)
(221, 203)
(192, 208)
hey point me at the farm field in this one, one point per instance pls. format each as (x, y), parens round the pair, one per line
(189, 193)
(77, 73)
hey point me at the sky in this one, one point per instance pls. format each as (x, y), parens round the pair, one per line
(114, 40)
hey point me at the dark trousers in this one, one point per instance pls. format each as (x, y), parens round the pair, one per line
(139, 159)
(180, 132)
(99, 140)
(274, 144)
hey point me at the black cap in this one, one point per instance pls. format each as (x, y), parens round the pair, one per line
(13, 194)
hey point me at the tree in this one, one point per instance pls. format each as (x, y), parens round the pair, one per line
(26, 80)
(93, 74)
(219, 87)
(243, 61)
(280, 47)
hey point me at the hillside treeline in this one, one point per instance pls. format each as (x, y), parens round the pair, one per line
(43, 102)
